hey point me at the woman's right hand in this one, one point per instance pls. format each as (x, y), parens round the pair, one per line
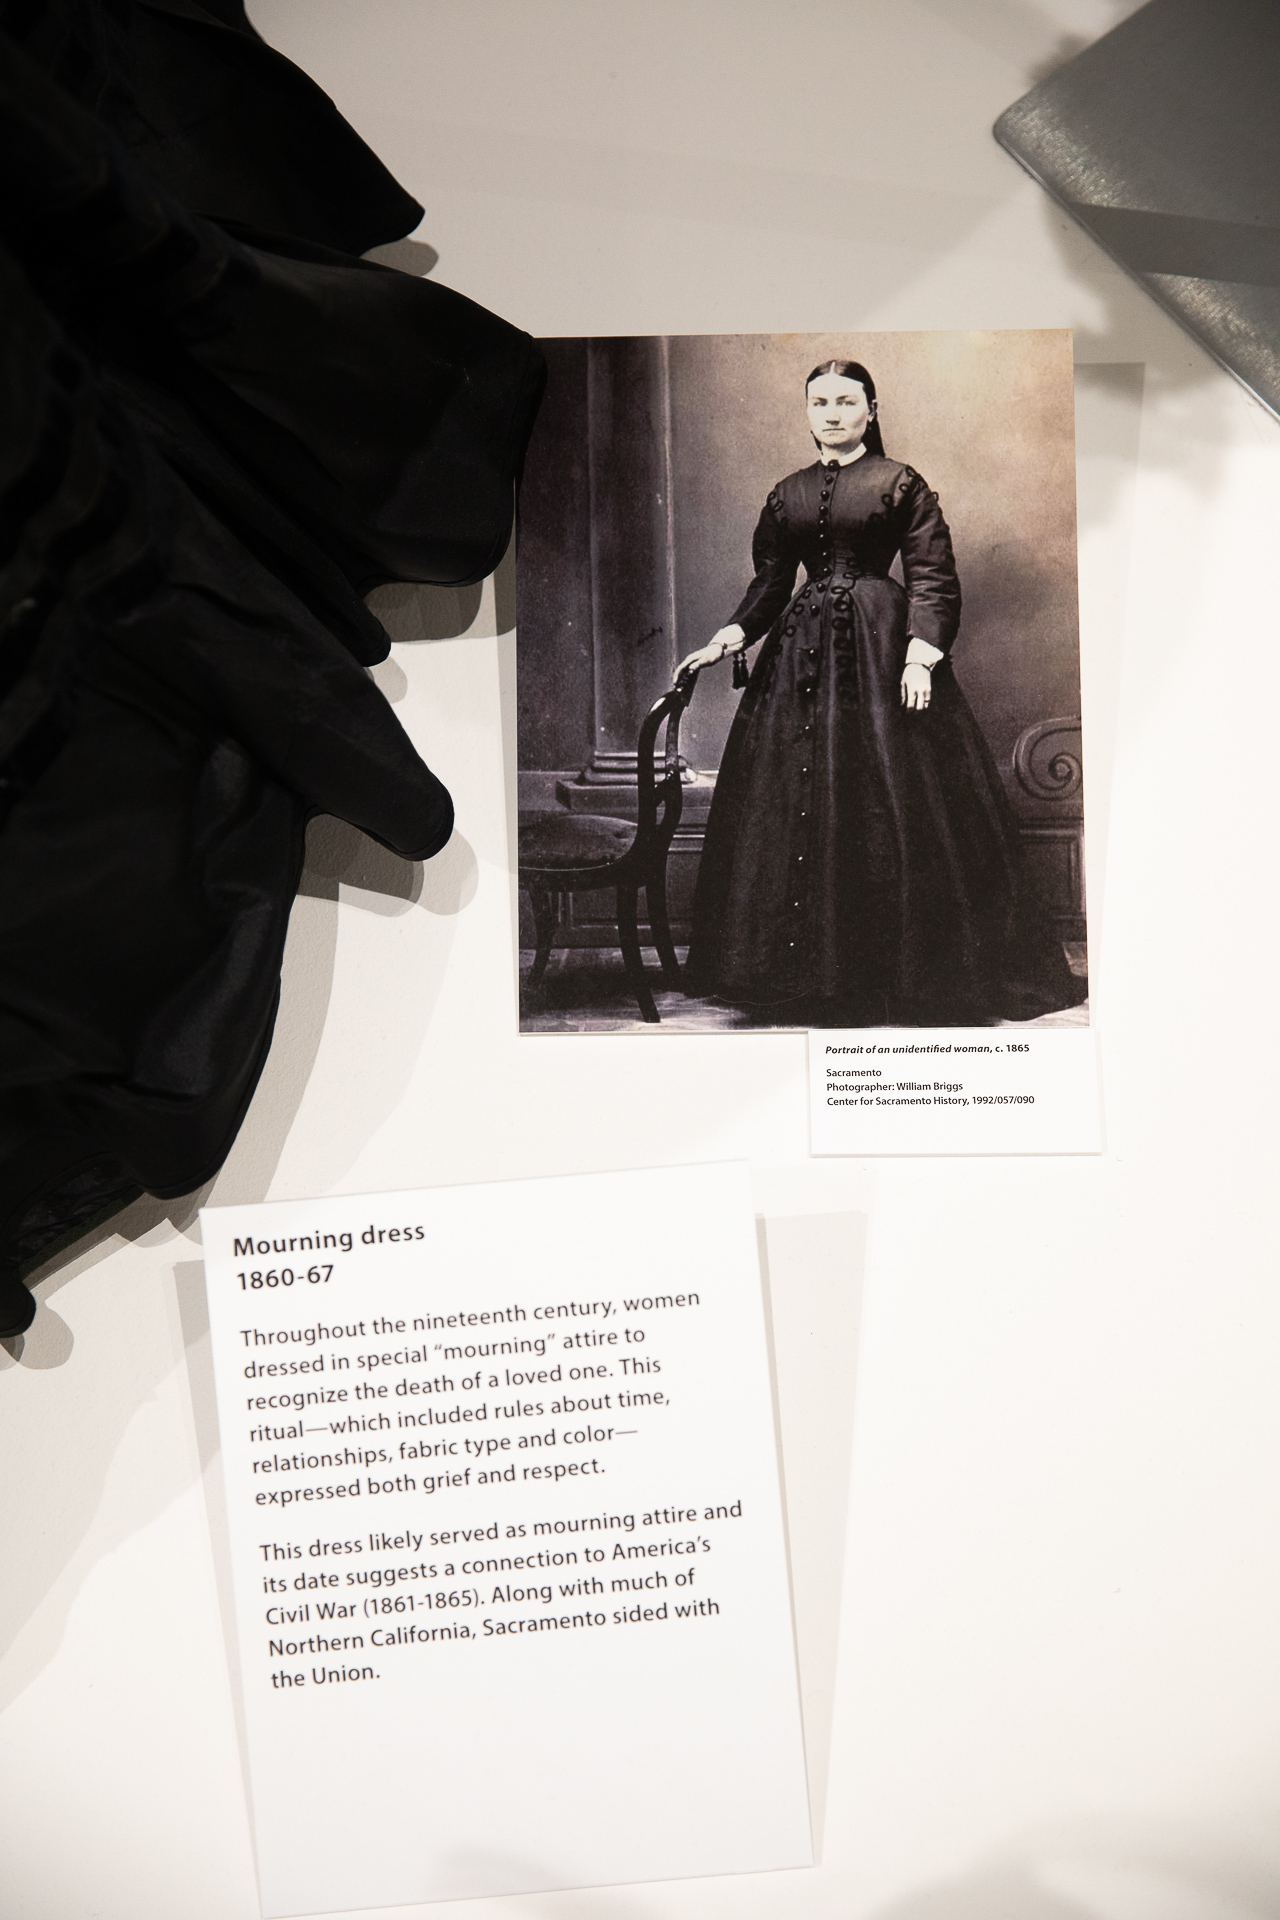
(728, 640)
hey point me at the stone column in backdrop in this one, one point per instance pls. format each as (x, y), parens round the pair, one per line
(634, 646)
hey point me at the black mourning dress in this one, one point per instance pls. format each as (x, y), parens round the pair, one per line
(861, 860)
(221, 428)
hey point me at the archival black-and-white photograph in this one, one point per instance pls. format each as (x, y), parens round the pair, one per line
(799, 685)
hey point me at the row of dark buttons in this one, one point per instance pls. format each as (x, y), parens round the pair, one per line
(824, 520)
(811, 686)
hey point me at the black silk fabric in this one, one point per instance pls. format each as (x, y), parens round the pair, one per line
(860, 858)
(221, 428)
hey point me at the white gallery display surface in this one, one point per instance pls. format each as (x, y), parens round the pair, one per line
(506, 1537)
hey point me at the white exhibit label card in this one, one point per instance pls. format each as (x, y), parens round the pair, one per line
(954, 1090)
(506, 1536)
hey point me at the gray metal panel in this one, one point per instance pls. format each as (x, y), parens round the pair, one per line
(1163, 140)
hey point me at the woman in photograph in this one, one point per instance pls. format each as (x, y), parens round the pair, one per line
(861, 860)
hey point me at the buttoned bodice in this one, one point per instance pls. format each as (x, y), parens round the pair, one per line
(849, 522)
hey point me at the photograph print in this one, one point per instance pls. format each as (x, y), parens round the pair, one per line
(798, 685)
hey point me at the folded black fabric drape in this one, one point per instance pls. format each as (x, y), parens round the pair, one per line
(222, 427)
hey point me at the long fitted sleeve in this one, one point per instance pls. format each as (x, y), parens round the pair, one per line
(928, 563)
(775, 559)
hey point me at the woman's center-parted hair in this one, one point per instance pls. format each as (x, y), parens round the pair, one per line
(872, 439)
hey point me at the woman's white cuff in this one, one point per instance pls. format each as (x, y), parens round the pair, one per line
(921, 654)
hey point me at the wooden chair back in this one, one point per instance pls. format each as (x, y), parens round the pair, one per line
(661, 798)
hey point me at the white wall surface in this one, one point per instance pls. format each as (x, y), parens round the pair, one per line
(1056, 1694)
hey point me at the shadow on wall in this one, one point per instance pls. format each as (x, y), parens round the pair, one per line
(414, 612)
(346, 870)
(425, 613)
(812, 1268)
(340, 856)
(1117, 321)
(1025, 34)
(193, 1314)
(68, 1404)
(1109, 1869)
(1179, 376)
(104, 1365)
(406, 256)
(342, 865)
(408, 972)
(48, 1341)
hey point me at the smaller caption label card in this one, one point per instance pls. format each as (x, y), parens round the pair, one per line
(954, 1090)
(506, 1536)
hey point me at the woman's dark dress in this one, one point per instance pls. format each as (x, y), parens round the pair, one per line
(858, 854)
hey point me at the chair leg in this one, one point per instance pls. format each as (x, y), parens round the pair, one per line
(629, 936)
(544, 921)
(655, 893)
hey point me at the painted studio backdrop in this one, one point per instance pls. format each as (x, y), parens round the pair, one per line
(650, 465)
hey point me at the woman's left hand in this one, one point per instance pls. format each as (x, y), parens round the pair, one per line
(917, 687)
(729, 640)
